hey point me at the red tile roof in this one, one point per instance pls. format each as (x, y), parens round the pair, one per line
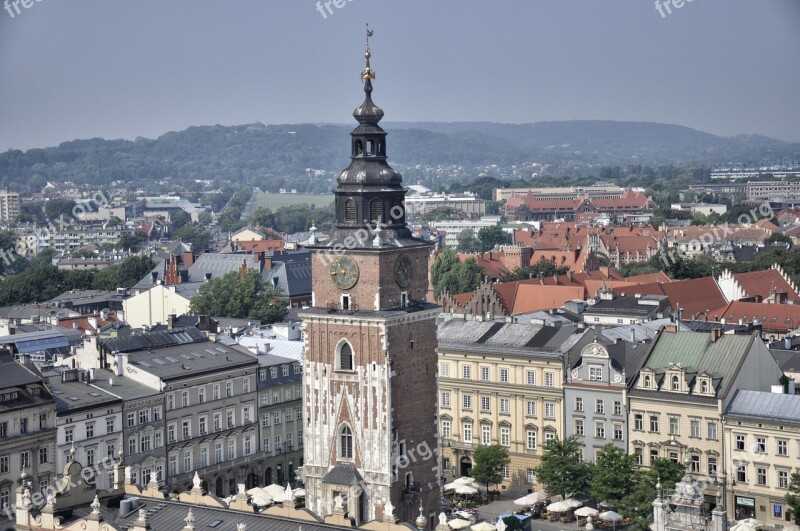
(694, 296)
(778, 318)
(760, 283)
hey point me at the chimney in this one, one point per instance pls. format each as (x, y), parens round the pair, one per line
(188, 258)
(715, 334)
(632, 339)
(12, 330)
(171, 321)
(118, 360)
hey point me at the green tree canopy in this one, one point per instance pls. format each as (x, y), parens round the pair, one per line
(123, 275)
(542, 268)
(463, 277)
(195, 234)
(241, 295)
(613, 475)
(793, 497)
(491, 237)
(468, 243)
(489, 463)
(562, 469)
(55, 208)
(778, 238)
(179, 218)
(638, 504)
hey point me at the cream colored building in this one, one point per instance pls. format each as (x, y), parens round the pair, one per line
(762, 449)
(501, 383)
(677, 401)
(155, 305)
(9, 206)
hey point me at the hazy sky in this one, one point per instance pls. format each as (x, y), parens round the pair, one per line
(126, 68)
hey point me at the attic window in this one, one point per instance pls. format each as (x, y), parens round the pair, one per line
(676, 383)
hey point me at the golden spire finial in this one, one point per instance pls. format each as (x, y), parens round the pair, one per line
(368, 73)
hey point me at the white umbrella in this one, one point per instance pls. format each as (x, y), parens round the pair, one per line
(756, 524)
(299, 493)
(611, 516)
(260, 499)
(585, 511)
(483, 526)
(558, 507)
(531, 499)
(276, 492)
(465, 480)
(466, 489)
(450, 486)
(572, 502)
(748, 524)
(458, 523)
(252, 491)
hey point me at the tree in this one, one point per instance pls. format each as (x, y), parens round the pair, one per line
(114, 221)
(489, 463)
(241, 295)
(123, 275)
(179, 218)
(793, 497)
(778, 238)
(542, 268)
(129, 242)
(205, 218)
(468, 243)
(195, 234)
(443, 264)
(464, 277)
(613, 475)
(638, 504)
(562, 469)
(55, 208)
(491, 237)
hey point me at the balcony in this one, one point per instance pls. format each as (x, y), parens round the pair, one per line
(458, 445)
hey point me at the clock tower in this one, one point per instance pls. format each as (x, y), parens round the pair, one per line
(370, 428)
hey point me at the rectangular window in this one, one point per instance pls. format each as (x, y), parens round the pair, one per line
(761, 445)
(466, 372)
(504, 375)
(172, 433)
(618, 432)
(741, 473)
(132, 446)
(579, 427)
(4, 498)
(783, 447)
(25, 459)
(201, 395)
(265, 420)
(89, 431)
(445, 399)
(504, 405)
(531, 378)
(549, 410)
(42, 455)
(203, 425)
(4, 464)
(761, 476)
(600, 430)
(203, 457)
(467, 427)
(595, 373)
(531, 439)
(230, 417)
(673, 426)
(276, 417)
(617, 408)
(599, 406)
(159, 439)
(144, 443)
(185, 399)
(446, 429)
(740, 442)
(90, 457)
(530, 408)
(218, 450)
(578, 403)
(506, 472)
(505, 436)
(69, 435)
(157, 413)
(217, 421)
(654, 423)
(228, 389)
(131, 419)
(638, 422)
(484, 403)
(549, 379)
(712, 467)
(695, 428)
(187, 462)
(783, 479)
(695, 464)
(215, 391)
(466, 402)
(486, 435)
(232, 447)
(445, 464)
(186, 428)
(638, 455)
(531, 476)
(712, 430)
(144, 416)
(445, 370)
(653, 457)
(246, 384)
(485, 374)
(110, 425)
(170, 402)
(42, 421)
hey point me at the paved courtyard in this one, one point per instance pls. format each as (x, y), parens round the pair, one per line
(506, 505)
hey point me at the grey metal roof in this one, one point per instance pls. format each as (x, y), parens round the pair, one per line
(342, 474)
(155, 340)
(507, 337)
(13, 374)
(125, 388)
(788, 360)
(44, 340)
(766, 406)
(190, 359)
(73, 395)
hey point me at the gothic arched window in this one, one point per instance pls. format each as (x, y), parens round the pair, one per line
(345, 357)
(345, 442)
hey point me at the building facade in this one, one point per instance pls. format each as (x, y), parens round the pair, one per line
(280, 410)
(369, 375)
(501, 383)
(9, 206)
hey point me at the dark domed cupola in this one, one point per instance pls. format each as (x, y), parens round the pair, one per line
(369, 193)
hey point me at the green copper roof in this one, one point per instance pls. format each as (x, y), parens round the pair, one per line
(695, 350)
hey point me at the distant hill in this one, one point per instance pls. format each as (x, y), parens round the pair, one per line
(277, 156)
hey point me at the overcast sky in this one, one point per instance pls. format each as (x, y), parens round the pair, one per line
(126, 68)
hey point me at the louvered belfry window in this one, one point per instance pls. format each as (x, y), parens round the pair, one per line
(349, 210)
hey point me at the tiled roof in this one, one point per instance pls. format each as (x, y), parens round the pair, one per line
(773, 317)
(693, 296)
(761, 282)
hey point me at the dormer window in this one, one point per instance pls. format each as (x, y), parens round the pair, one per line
(704, 387)
(676, 383)
(648, 381)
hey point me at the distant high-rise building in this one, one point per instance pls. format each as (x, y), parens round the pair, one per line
(9, 206)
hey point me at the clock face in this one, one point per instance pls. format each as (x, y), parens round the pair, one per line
(344, 272)
(403, 269)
